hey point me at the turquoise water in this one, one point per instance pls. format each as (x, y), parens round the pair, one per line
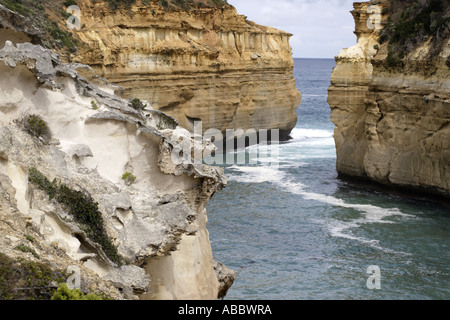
(297, 232)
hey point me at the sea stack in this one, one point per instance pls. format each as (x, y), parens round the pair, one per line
(390, 97)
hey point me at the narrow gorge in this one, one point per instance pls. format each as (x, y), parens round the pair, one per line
(90, 118)
(104, 182)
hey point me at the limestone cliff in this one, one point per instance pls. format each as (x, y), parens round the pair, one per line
(208, 64)
(390, 97)
(153, 243)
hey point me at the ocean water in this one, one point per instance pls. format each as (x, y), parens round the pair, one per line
(293, 231)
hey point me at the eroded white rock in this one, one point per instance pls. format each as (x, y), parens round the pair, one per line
(160, 216)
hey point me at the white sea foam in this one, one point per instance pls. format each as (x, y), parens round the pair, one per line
(306, 144)
(299, 133)
(337, 228)
(340, 229)
(256, 174)
(314, 142)
(370, 213)
(311, 138)
(290, 156)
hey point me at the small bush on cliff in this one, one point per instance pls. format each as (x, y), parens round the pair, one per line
(164, 3)
(62, 37)
(36, 126)
(128, 178)
(64, 293)
(94, 105)
(137, 104)
(81, 207)
(25, 248)
(69, 3)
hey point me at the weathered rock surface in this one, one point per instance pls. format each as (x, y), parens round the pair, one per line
(392, 125)
(204, 64)
(158, 223)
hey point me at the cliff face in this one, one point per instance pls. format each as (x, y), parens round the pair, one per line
(392, 120)
(153, 242)
(204, 64)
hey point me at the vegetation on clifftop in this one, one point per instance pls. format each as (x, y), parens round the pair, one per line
(37, 12)
(172, 4)
(50, 17)
(411, 23)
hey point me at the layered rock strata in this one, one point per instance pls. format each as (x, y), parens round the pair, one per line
(157, 223)
(203, 64)
(392, 124)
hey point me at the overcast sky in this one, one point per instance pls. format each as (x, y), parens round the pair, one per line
(321, 28)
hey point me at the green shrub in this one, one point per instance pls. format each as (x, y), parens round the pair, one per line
(69, 3)
(137, 104)
(94, 105)
(29, 238)
(36, 126)
(25, 248)
(62, 37)
(64, 293)
(129, 178)
(81, 207)
(36, 177)
(164, 3)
